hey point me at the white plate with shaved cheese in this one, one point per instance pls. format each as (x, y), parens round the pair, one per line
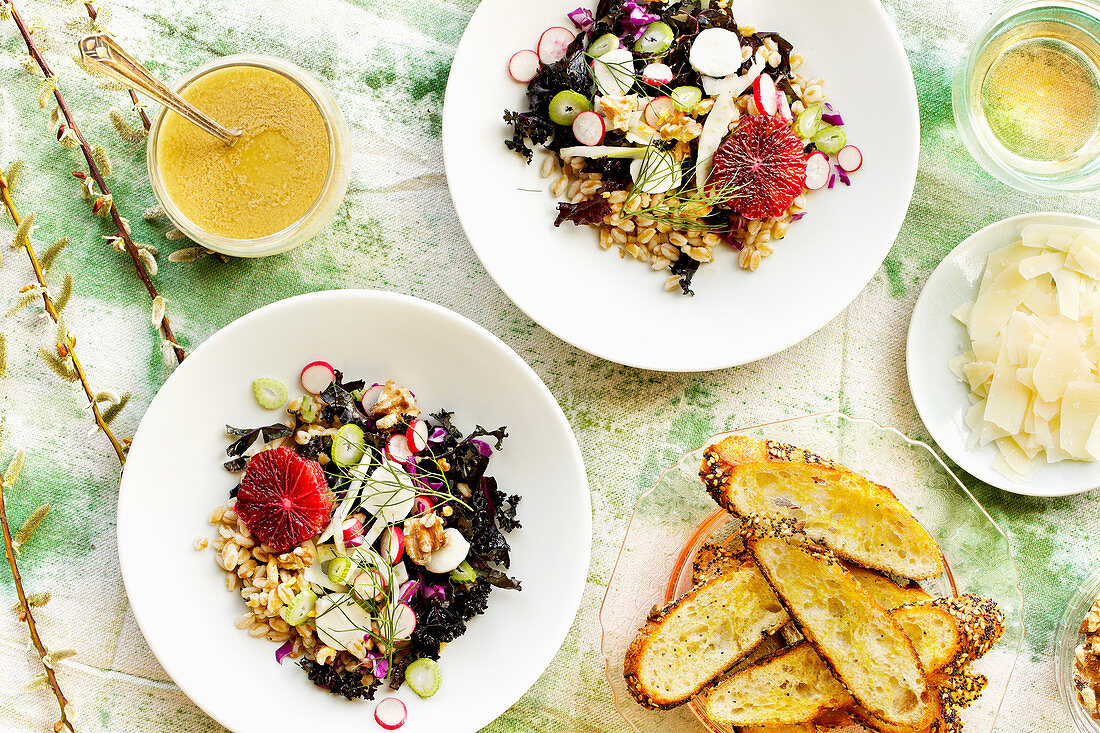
(1003, 354)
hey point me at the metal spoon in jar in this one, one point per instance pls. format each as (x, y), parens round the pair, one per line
(104, 54)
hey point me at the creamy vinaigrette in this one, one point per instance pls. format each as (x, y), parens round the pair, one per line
(269, 178)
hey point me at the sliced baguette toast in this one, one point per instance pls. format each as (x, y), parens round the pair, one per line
(711, 561)
(700, 636)
(885, 591)
(860, 641)
(857, 519)
(796, 685)
(797, 728)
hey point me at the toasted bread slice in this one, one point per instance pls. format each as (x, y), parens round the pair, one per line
(713, 560)
(700, 636)
(796, 685)
(857, 519)
(953, 693)
(861, 642)
(796, 728)
(885, 591)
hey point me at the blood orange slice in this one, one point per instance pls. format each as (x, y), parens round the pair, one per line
(284, 498)
(760, 168)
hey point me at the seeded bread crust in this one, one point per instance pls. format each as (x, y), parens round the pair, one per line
(731, 471)
(644, 660)
(903, 655)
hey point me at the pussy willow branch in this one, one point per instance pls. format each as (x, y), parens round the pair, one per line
(48, 303)
(36, 640)
(89, 5)
(94, 171)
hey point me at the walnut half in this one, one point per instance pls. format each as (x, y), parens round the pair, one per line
(423, 536)
(392, 404)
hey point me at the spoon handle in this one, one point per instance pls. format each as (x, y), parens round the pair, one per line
(104, 53)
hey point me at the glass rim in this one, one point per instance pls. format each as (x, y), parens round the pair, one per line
(328, 199)
(1067, 637)
(967, 124)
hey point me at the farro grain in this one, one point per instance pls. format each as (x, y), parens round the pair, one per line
(617, 197)
(798, 108)
(646, 235)
(671, 283)
(244, 621)
(230, 516)
(627, 226)
(216, 515)
(796, 61)
(258, 630)
(659, 263)
(774, 59)
(618, 235)
(230, 581)
(574, 187)
(201, 543)
(560, 186)
(590, 187)
(301, 437)
(549, 164)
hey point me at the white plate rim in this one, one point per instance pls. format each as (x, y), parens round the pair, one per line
(487, 713)
(978, 463)
(814, 322)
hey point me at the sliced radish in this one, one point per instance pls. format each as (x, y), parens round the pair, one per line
(404, 622)
(784, 106)
(397, 448)
(660, 108)
(370, 397)
(589, 128)
(553, 44)
(850, 158)
(318, 376)
(764, 92)
(523, 66)
(817, 171)
(393, 544)
(353, 532)
(657, 74)
(390, 713)
(417, 435)
(369, 586)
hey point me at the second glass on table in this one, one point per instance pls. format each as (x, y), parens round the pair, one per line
(1027, 98)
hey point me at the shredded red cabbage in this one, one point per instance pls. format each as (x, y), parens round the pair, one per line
(281, 652)
(832, 179)
(582, 18)
(843, 175)
(438, 435)
(408, 590)
(482, 447)
(431, 592)
(798, 216)
(637, 18)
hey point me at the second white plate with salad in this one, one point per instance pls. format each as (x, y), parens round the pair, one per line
(367, 537)
(755, 291)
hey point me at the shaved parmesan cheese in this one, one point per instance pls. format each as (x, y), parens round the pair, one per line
(1042, 264)
(1080, 410)
(1032, 363)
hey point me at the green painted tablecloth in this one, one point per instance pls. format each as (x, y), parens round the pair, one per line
(387, 63)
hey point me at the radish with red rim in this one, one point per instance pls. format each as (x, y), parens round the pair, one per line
(657, 110)
(390, 713)
(657, 75)
(553, 44)
(392, 547)
(850, 158)
(817, 171)
(370, 397)
(417, 436)
(369, 586)
(764, 94)
(397, 447)
(317, 376)
(783, 106)
(403, 619)
(589, 128)
(523, 66)
(352, 531)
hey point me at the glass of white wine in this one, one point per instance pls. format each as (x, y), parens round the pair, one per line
(1027, 98)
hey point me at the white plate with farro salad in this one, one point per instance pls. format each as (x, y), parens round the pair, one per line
(746, 162)
(317, 527)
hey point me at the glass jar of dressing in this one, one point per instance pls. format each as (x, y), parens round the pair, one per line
(278, 184)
